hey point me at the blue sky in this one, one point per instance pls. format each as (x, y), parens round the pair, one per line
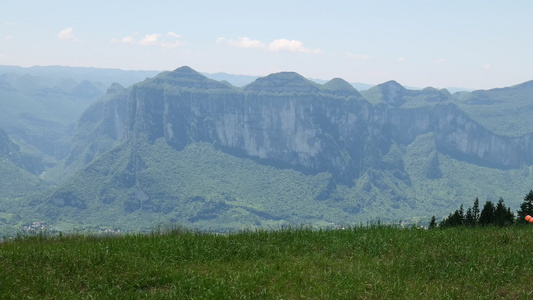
(471, 44)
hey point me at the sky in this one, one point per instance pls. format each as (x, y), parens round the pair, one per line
(419, 43)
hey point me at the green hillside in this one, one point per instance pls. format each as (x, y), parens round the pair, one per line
(138, 188)
(377, 262)
(505, 111)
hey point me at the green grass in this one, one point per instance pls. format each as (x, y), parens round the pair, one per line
(377, 262)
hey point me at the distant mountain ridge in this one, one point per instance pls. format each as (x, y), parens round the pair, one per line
(183, 148)
(106, 76)
(128, 77)
(355, 155)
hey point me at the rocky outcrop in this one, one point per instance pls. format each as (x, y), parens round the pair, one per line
(287, 121)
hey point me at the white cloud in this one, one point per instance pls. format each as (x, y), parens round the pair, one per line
(8, 37)
(174, 44)
(154, 40)
(358, 56)
(401, 59)
(275, 46)
(292, 46)
(441, 61)
(1, 55)
(68, 35)
(242, 42)
(128, 40)
(174, 35)
(487, 66)
(150, 39)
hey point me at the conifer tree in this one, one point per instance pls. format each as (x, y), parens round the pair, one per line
(501, 214)
(454, 219)
(510, 217)
(469, 218)
(432, 223)
(526, 208)
(487, 214)
(475, 210)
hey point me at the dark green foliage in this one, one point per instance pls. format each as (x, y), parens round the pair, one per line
(503, 215)
(470, 220)
(526, 208)
(456, 218)
(490, 215)
(432, 223)
(475, 210)
(487, 214)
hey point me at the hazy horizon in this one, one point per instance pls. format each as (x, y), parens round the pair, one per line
(473, 45)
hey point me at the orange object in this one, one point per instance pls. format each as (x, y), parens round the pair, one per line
(528, 217)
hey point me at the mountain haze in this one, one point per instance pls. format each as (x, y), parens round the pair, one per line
(183, 148)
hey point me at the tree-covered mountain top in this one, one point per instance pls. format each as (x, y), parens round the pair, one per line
(505, 111)
(114, 88)
(395, 95)
(340, 86)
(495, 109)
(524, 85)
(283, 82)
(87, 90)
(186, 77)
(497, 95)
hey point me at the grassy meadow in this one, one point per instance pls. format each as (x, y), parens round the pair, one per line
(370, 262)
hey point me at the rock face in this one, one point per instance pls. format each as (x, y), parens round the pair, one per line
(287, 121)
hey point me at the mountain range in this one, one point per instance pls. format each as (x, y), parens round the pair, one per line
(182, 148)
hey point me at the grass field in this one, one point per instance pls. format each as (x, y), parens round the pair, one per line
(374, 262)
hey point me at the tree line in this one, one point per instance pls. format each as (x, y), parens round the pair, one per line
(490, 214)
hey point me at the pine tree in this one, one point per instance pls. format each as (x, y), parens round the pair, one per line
(487, 214)
(432, 223)
(526, 208)
(501, 214)
(469, 218)
(475, 210)
(509, 216)
(454, 219)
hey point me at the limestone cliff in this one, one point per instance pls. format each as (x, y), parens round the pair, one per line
(288, 121)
